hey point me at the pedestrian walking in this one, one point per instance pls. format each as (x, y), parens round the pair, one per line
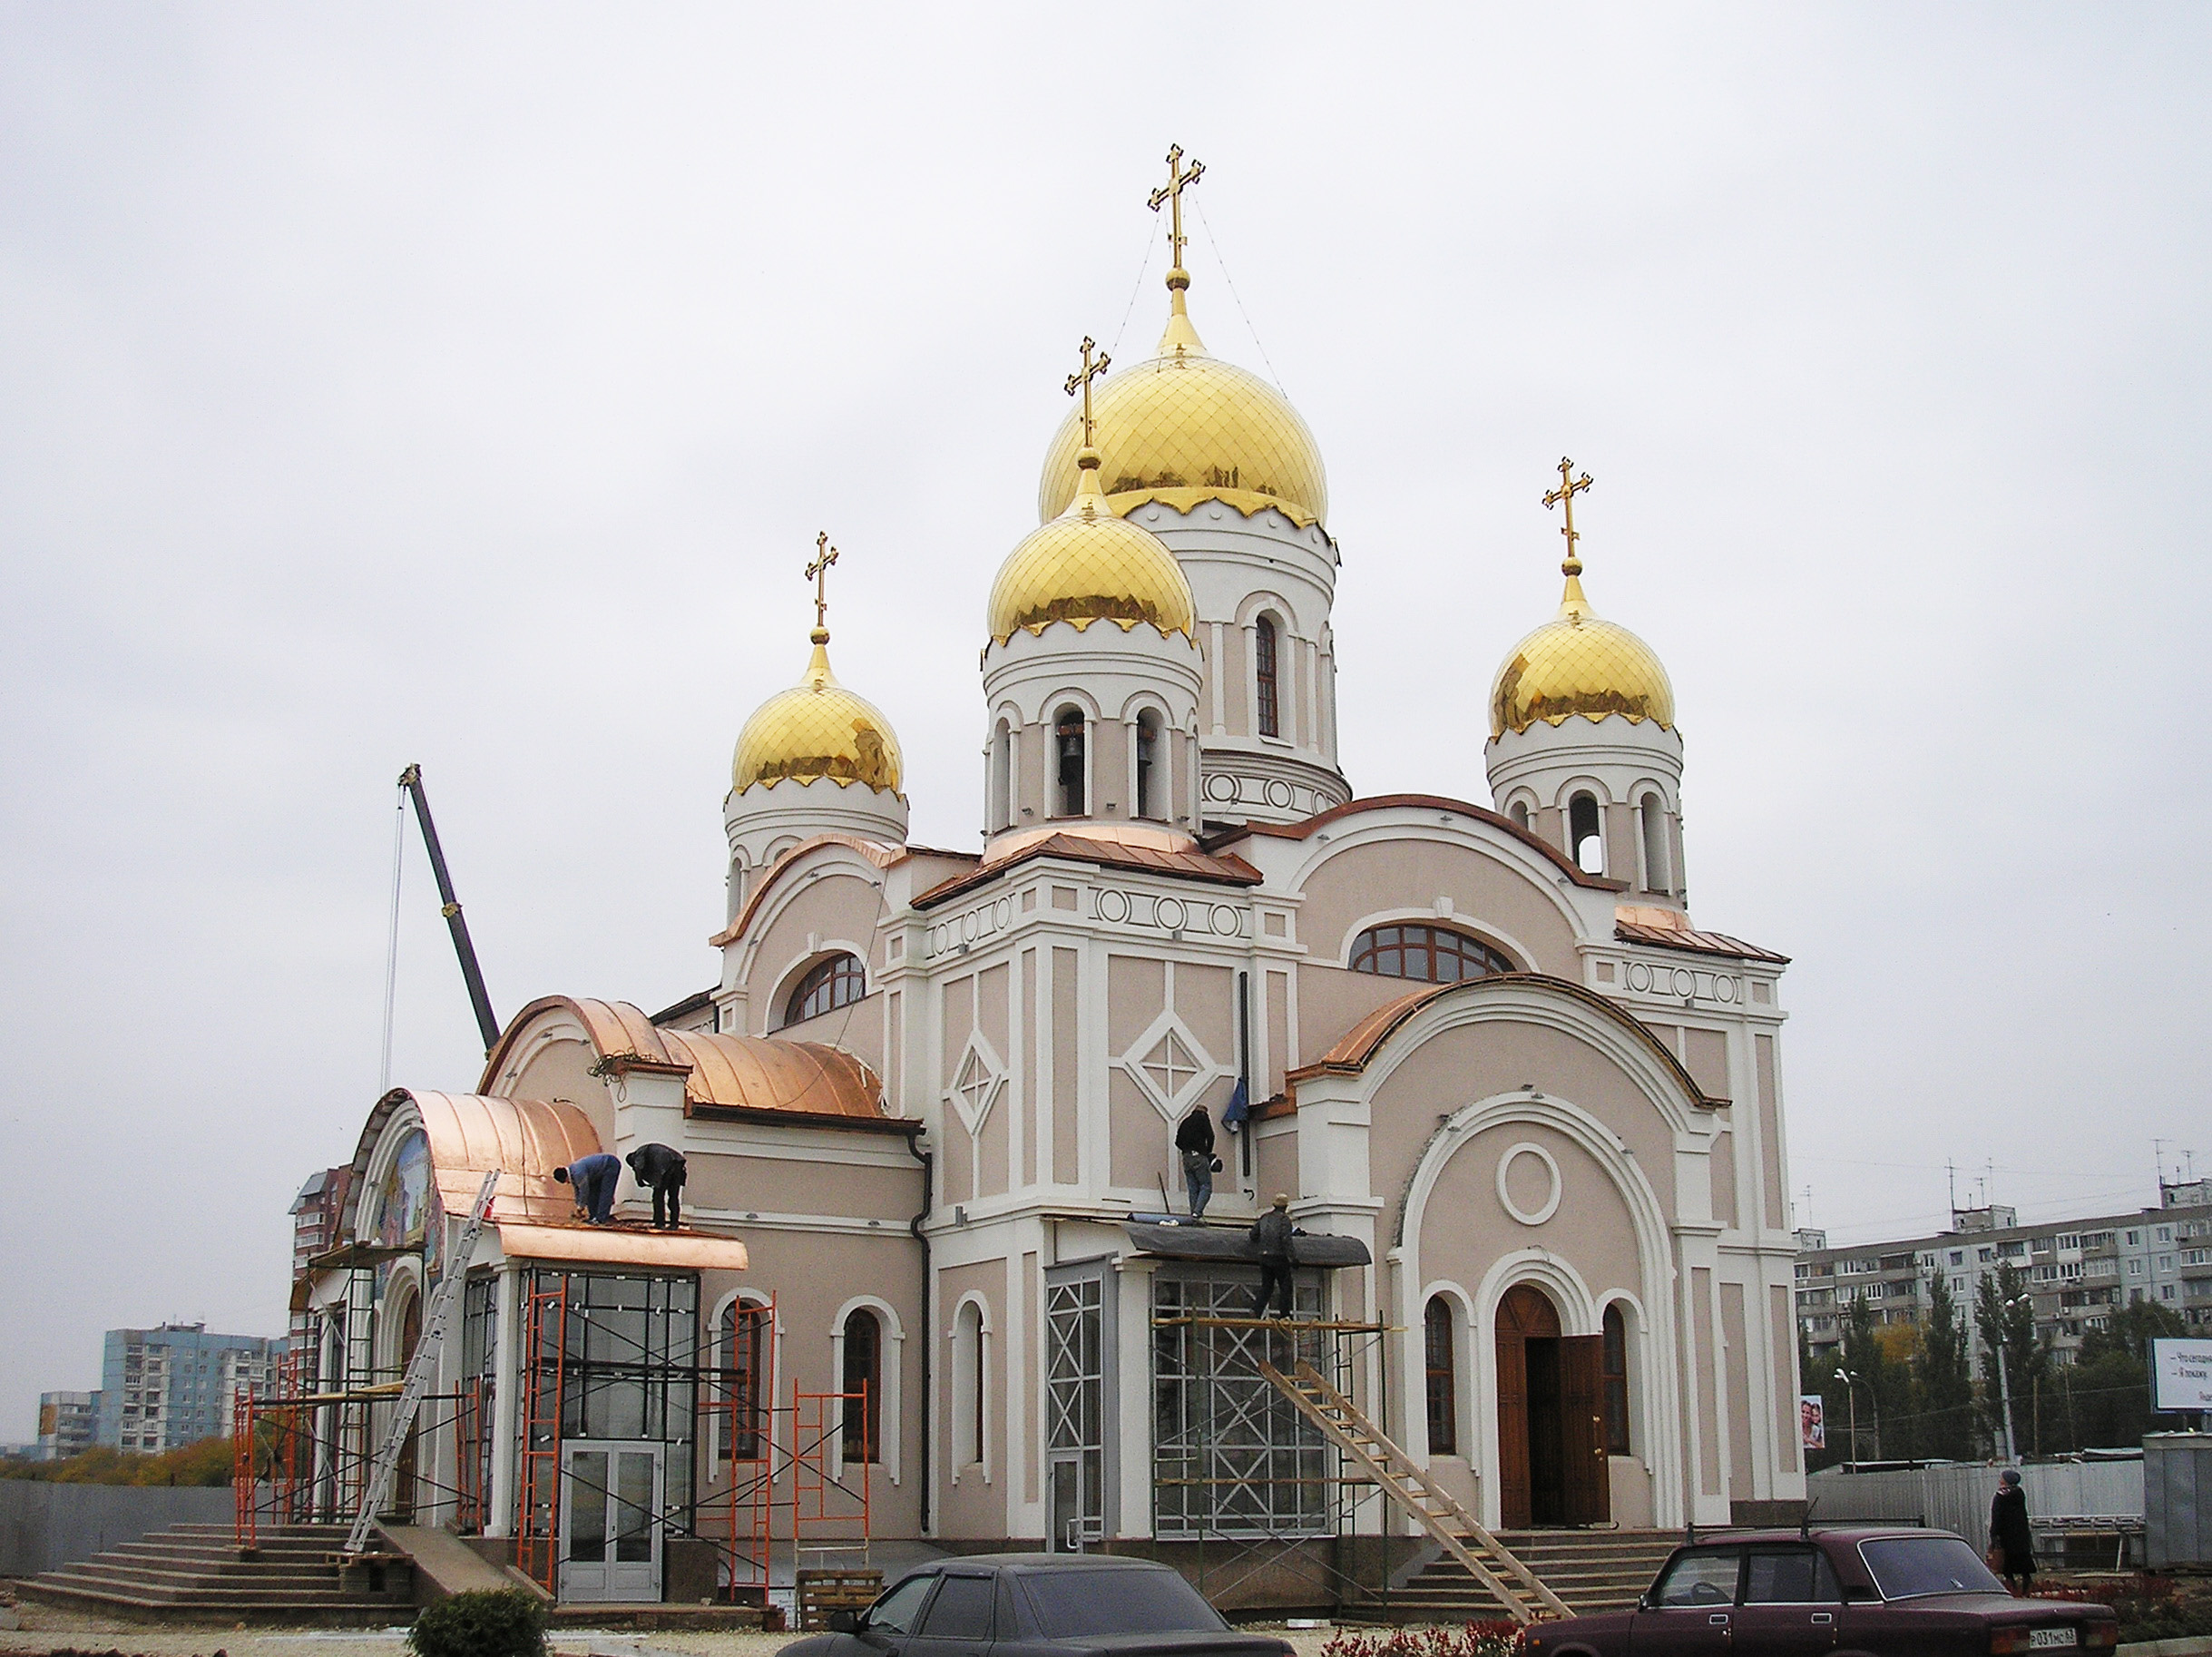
(2009, 1535)
(660, 1170)
(1271, 1234)
(594, 1178)
(1195, 1139)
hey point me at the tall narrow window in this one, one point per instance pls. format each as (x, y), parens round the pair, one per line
(743, 1346)
(968, 1384)
(1148, 753)
(863, 1376)
(1068, 737)
(1651, 816)
(1263, 662)
(1584, 841)
(1616, 1382)
(836, 983)
(1001, 806)
(1521, 814)
(1443, 1386)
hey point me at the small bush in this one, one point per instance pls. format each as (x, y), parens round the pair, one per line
(483, 1622)
(1498, 1637)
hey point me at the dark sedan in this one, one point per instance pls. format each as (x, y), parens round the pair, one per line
(1846, 1590)
(1037, 1605)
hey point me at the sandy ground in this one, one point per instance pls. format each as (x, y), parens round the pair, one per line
(47, 1630)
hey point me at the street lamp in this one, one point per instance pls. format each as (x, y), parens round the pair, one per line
(2004, 1379)
(1851, 1383)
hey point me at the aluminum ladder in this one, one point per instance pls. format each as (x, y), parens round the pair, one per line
(421, 1367)
(1516, 1587)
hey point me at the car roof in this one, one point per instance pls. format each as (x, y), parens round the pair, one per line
(1841, 1531)
(1045, 1562)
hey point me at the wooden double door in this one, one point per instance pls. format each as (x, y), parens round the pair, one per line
(1552, 1460)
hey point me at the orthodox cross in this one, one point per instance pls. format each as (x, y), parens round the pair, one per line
(818, 572)
(1179, 179)
(1081, 382)
(1569, 485)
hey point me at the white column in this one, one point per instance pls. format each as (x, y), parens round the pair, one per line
(506, 1401)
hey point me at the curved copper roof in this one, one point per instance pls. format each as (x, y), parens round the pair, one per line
(473, 1134)
(733, 1072)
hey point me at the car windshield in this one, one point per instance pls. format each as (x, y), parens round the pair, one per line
(1070, 1604)
(1905, 1567)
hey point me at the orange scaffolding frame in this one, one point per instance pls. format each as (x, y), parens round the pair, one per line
(738, 1430)
(816, 1418)
(537, 1527)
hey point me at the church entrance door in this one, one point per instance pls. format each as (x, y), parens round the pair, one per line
(1551, 1462)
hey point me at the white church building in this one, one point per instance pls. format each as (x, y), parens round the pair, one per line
(1527, 1113)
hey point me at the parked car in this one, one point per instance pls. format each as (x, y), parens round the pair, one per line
(1849, 1590)
(1037, 1605)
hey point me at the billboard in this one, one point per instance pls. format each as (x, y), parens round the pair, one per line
(1813, 1420)
(2181, 1375)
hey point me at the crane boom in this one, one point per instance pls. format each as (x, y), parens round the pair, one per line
(411, 779)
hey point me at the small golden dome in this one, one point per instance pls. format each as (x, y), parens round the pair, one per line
(1087, 565)
(1576, 663)
(1187, 428)
(818, 728)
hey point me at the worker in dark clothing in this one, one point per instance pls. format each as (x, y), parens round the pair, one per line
(2010, 1535)
(1195, 1139)
(594, 1178)
(1271, 1235)
(663, 1170)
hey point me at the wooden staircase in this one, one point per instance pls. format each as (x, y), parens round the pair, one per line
(1503, 1577)
(197, 1573)
(1594, 1571)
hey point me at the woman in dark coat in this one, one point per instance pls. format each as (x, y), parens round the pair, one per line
(2009, 1532)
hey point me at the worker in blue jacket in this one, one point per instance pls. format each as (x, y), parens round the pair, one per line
(594, 1178)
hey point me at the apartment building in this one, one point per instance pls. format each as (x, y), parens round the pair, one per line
(162, 1388)
(2078, 1270)
(67, 1422)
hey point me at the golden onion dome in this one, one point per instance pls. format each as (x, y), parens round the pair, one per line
(1576, 663)
(1187, 428)
(818, 728)
(1087, 565)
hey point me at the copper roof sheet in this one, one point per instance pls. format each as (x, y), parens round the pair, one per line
(471, 1134)
(620, 1246)
(1697, 943)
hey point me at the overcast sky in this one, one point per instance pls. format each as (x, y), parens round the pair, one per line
(466, 385)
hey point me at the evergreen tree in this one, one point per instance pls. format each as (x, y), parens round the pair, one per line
(2003, 1319)
(1943, 1379)
(2132, 1330)
(1867, 1365)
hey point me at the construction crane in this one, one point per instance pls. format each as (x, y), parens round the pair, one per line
(411, 779)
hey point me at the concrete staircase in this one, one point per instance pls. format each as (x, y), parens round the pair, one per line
(1592, 1571)
(196, 1573)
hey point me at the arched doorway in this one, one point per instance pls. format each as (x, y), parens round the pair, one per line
(1552, 1461)
(402, 1500)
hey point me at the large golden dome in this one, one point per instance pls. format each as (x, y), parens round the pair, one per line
(816, 729)
(1087, 565)
(1576, 663)
(1187, 428)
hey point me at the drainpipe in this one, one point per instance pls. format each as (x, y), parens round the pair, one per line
(928, 1342)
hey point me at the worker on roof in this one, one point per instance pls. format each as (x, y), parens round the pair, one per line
(594, 1178)
(1271, 1234)
(661, 1168)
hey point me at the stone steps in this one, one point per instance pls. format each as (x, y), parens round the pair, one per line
(196, 1573)
(1591, 1571)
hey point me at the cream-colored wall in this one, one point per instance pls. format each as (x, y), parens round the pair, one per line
(780, 1185)
(1465, 1226)
(973, 1499)
(840, 908)
(562, 1070)
(1365, 877)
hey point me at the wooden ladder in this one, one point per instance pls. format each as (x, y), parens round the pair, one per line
(1486, 1559)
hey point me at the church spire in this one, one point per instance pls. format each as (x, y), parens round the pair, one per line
(1572, 605)
(1181, 338)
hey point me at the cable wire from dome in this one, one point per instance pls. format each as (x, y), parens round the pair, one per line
(1136, 287)
(1221, 259)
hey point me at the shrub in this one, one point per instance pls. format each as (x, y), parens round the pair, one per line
(1499, 1638)
(483, 1623)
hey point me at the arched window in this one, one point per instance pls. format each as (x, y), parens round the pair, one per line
(1263, 674)
(1148, 753)
(742, 1346)
(1001, 804)
(1651, 816)
(863, 1374)
(1521, 814)
(968, 1384)
(1616, 1382)
(1585, 844)
(836, 983)
(1433, 954)
(1436, 1345)
(1068, 738)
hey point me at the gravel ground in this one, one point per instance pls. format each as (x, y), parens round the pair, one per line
(47, 1630)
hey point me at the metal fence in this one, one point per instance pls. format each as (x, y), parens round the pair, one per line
(44, 1526)
(1958, 1499)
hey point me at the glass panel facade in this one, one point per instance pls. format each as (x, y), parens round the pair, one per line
(1075, 1433)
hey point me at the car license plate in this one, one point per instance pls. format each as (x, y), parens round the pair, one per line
(2038, 1638)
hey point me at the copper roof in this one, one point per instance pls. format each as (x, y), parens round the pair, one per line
(1426, 803)
(620, 1246)
(1357, 1047)
(471, 1134)
(1187, 865)
(736, 1072)
(1697, 943)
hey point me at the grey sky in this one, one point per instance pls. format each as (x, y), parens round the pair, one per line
(467, 387)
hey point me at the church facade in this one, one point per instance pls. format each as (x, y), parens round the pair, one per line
(937, 1254)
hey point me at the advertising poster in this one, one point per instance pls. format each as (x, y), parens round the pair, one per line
(1813, 1420)
(2181, 1375)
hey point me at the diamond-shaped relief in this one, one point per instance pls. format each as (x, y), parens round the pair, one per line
(976, 1083)
(1170, 1067)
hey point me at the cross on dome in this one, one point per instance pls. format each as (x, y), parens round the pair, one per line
(1081, 382)
(1569, 485)
(818, 572)
(1180, 179)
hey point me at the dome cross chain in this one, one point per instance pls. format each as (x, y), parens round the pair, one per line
(1569, 485)
(1179, 178)
(1081, 382)
(818, 572)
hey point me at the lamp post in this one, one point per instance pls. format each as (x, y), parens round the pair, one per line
(2004, 1378)
(1851, 1392)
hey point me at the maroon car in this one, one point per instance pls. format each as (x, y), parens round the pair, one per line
(1849, 1590)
